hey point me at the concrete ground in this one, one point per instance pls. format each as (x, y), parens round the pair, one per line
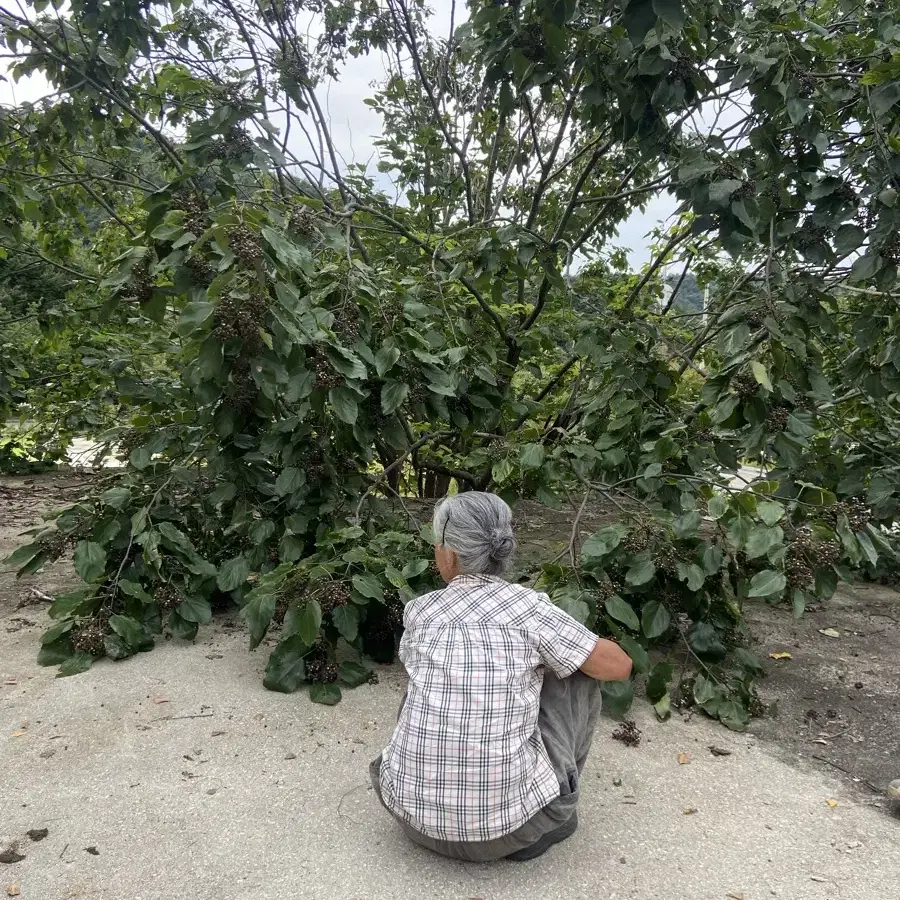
(175, 774)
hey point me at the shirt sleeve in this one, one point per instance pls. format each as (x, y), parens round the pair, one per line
(563, 643)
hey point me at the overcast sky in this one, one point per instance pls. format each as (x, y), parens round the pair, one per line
(355, 127)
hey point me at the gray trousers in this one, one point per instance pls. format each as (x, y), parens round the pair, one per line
(569, 711)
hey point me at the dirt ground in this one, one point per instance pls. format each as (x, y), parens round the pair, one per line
(836, 700)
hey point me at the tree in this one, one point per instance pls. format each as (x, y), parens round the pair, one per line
(326, 345)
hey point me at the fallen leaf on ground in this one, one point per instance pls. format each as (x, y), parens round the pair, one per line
(830, 632)
(12, 890)
(832, 803)
(160, 700)
(92, 850)
(735, 896)
(818, 878)
(690, 810)
(11, 681)
(781, 655)
(11, 856)
(19, 733)
(38, 834)
(719, 751)
(684, 759)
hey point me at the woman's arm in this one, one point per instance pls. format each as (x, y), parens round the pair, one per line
(607, 662)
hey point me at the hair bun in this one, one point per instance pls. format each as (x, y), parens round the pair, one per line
(502, 544)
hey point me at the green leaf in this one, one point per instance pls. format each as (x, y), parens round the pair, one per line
(532, 456)
(883, 98)
(181, 628)
(720, 191)
(326, 694)
(346, 620)
(22, 556)
(574, 606)
(286, 669)
(867, 546)
(639, 17)
(353, 674)
(799, 603)
(770, 512)
(309, 621)
(133, 589)
(258, 612)
(732, 715)
(706, 643)
(56, 652)
(640, 572)
(716, 506)
(638, 654)
(343, 401)
(658, 682)
(195, 609)
(393, 396)
(603, 542)
(762, 539)
(385, 360)
(90, 561)
(116, 497)
(415, 568)
(75, 665)
(117, 647)
(692, 574)
(232, 574)
(766, 583)
(655, 620)
(623, 612)
(369, 586)
(57, 631)
(289, 480)
(194, 316)
(686, 526)
(128, 629)
(797, 110)
(671, 12)
(617, 697)
(761, 375)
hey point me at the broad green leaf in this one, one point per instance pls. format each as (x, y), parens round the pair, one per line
(369, 586)
(22, 556)
(232, 573)
(195, 609)
(655, 620)
(658, 682)
(720, 191)
(799, 603)
(705, 641)
(289, 480)
(770, 512)
(532, 456)
(716, 506)
(181, 628)
(344, 403)
(90, 561)
(617, 697)
(867, 546)
(116, 497)
(603, 542)
(686, 525)
(75, 665)
(622, 612)
(760, 374)
(574, 606)
(385, 360)
(766, 584)
(353, 674)
(639, 17)
(732, 715)
(326, 694)
(286, 669)
(692, 574)
(415, 568)
(393, 396)
(258, 612)
(346, 620)
(57, 631)
(57, 652)
(671, 12)
(128, 629)
(638, 654)
(762, 539)
(133, 589)
(117, 647)
(309, 621)
(640, 572)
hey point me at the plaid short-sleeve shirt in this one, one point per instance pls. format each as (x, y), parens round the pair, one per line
(466, 761)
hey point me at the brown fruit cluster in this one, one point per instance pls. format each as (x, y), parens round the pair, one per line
(628, 733)
(858, 514)
(87, 636)
(243, 391)
(727, 170)
(418, 393)
(201, 271)
(245, 245)
(807, 84)
(810, 235)
(798, 572)
(744, 386)
(683, 68)
(846, 193)
(237, 144)
(131, 440)
(777, 419)
(643, 535)
(54, 544)
(348, 325)
(867, 217)
(755, 320)
(891, 251)
(703, 436)
(395, 607)
(302, 220)
(167, 597)
(745, 191)
(318, 667)
(666, 558)
(195, 212)
(332, 594)
(141, 282)
(241, 318)
(281, 608)
(326, 377)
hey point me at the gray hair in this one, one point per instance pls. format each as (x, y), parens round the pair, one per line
(478, 528)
